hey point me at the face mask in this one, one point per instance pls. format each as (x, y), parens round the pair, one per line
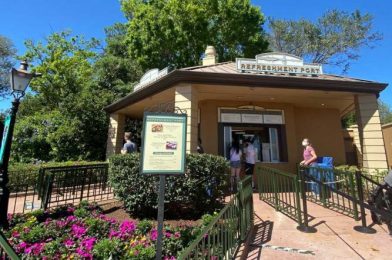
(304, 143)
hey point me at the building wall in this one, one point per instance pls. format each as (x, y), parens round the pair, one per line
(322, 126)
(387, 133)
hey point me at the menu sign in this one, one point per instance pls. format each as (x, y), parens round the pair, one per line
(163, 144)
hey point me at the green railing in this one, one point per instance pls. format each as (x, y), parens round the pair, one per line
(6, 251)
(222, 237)
(339, 180)
(281, 190)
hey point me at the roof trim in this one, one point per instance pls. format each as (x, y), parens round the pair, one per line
(246, 80)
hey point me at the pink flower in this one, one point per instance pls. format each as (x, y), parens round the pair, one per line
(113, 233)
(84, 254)
(78, 231)
(169, 258)
(35, 249)
(177, 235)
(88, 243)
(154, 234)
(168, 235)
(127, 227)
(71, 218)
(70, 209)
(69, 243)
(15, 234)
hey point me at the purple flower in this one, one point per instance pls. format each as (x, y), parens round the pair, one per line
(113, 233)
(70, 209)
(154, 234)
(169, 258)
(168, 235)
(78, 231)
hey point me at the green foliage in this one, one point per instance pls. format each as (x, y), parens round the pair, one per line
(7, 51)
(64, 119)
(176, 32)
(108, 249)
(144, 226)
(335, 39)
(184, 194)
(385, 112)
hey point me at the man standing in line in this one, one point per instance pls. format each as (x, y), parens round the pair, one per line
(129, 146)
(250, 156)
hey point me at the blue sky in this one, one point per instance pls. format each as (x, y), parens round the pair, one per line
(35, 19)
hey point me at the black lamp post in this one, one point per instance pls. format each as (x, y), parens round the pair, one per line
(20, 79)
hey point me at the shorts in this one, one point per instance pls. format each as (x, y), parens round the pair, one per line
(249, 168)
(235, 164)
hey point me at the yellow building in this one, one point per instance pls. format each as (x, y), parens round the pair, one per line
(274, 98)
(387, 132)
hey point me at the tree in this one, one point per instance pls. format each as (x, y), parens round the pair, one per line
(7, 52)
(176, 32)
(115, 70)
(63, 119)
(385, 112)
(334, 39)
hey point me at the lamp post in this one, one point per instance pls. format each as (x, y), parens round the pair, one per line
(19, 79)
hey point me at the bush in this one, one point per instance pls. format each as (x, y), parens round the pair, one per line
(190, 195)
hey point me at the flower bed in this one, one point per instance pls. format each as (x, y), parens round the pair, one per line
(83, 232)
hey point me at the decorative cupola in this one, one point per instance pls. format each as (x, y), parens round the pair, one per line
(209, 56)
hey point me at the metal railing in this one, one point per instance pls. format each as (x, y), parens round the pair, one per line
(281, 190)
(6, 251)
(221, 238)
(70, 185)
(54, 186)
(332, 180)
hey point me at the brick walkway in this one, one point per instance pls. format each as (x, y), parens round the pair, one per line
(335, 237)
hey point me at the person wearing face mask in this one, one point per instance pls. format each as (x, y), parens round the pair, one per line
(309, 154)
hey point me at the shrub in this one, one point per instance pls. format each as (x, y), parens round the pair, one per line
(194, 193)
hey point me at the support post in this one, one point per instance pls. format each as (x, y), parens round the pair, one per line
(161, 207)
(305, 226)
(5, 193)
(363, 228)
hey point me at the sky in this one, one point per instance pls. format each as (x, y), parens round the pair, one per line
(36, 19)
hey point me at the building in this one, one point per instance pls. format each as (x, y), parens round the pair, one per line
(387, 132)
(274, 98)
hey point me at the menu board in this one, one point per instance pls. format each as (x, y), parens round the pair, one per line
(163, 144)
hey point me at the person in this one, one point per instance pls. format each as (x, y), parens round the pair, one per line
(129, 146)
(250, 159)
(235, 164)
(199, 146)
(309, 154)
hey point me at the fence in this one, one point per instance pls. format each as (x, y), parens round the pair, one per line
(222, 237)
(281, 190)
(54, 186)
(338, 180)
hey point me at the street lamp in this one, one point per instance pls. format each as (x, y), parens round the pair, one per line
(19, 80)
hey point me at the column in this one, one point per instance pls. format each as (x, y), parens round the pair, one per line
(370, 133)
(115, 134)
(186, 98)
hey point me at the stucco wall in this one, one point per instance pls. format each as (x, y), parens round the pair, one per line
(387, 132)
(322, 126)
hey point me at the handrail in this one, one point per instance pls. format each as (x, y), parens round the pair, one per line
(216, 239)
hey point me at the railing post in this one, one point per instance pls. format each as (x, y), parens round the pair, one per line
(83, 183)
(353, 194)
(305, 226)
(47, 191)
(363, 228)
(297, 199)
(274, 187)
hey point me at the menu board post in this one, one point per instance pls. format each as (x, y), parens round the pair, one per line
(163, 153)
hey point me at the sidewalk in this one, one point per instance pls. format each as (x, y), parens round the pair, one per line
(335, 237)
